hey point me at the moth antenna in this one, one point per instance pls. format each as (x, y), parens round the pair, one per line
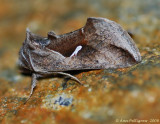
(31, 63)
(27, 34)
(71, 76)
(24, 56)
(33, 85)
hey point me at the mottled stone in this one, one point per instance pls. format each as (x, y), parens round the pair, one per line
(58, 101)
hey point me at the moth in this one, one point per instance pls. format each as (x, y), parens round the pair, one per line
(100, 44)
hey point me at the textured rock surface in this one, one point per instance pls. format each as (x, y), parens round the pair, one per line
(107, 95)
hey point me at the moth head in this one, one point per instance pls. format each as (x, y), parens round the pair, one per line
(35, 41)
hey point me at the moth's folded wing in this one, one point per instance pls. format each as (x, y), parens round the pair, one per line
(46, 60)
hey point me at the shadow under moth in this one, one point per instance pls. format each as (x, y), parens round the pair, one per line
(100, 44)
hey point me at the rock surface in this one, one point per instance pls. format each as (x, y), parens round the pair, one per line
(108, 96)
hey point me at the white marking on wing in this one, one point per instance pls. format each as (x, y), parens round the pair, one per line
(76, 51)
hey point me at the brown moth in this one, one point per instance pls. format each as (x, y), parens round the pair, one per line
(100, 44)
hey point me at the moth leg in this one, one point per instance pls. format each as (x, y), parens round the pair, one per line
(33, 85)
(71, 76)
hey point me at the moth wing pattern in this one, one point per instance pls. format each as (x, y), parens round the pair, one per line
(108, 46)
(104, 44)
